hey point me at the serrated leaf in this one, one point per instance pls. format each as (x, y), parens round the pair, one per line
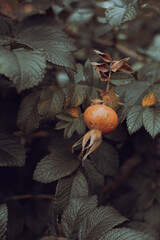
(156, 92)
(98, 222)
(135, 119)
(132, 92)
(24, 67)
(51, 102)
(120, 78)
(72, 216)
(67, 188)
(28, 118)
(3, 221)
(52, 40)
(96, 179)
(125, 234)
(58, 164)
(105, 159)
(69, 129)
(61, 125)
(12, 152)
(119, 11)
(75, 95)
(78, 76)
(149, 72)
(80, 125)
(151, 120)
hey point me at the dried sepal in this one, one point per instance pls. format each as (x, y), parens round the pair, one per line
(90, 142)
(104, 69)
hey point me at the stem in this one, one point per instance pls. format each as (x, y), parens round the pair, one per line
(97, 89)
(108, 82)
(30, 196)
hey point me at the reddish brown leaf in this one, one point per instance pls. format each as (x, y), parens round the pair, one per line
(106, 57)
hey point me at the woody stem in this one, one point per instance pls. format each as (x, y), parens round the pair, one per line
(108, 82)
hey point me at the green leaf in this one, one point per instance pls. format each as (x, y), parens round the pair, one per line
(28, 118)
(80, 125)
(156, 92)
(149, 72)
(3, 221)
(75, 95)
(78, 76)
(24, 67)
(12, 152)
(58, 164)
(132, 92)
(118, 12)
(106, 159)
(125, 234)
(67, 188)
(51, 102)
(61, 125)
(135, 118)
(69, 129)
(98, 222)
(73, 215)
(151, 120)
(120, 78)
(52, 40)
(96, 178)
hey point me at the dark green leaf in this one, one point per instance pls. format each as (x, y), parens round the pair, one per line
(106, 159)
(125, 234)
(61, 125)
(151, 120)
(96, 178)
(68, 188)
(118, 135)
(98, 222)
(75, 95)
(73, 215)
(156, 91)
(3, 221)
(50, 103)
(12, 152)
(78, 76)
(80, 125)
(28, 118)
(69, 129)
(120, 78)
(150, 72)
(58, 164)
(24, 67)
(135, 118)
(118, 12)
(52, 40)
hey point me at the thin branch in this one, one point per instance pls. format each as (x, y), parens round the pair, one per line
(125, 172)
(30, 196)
(122, 48)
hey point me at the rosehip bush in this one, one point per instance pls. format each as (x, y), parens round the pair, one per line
(79, 119)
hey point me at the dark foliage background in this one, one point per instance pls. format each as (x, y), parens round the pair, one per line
(46, 50)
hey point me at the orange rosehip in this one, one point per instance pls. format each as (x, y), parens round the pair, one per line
(101, 117)
(149, 100)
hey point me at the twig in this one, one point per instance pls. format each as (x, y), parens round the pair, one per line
(125, 172)
(122, 48)
(30, 196)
